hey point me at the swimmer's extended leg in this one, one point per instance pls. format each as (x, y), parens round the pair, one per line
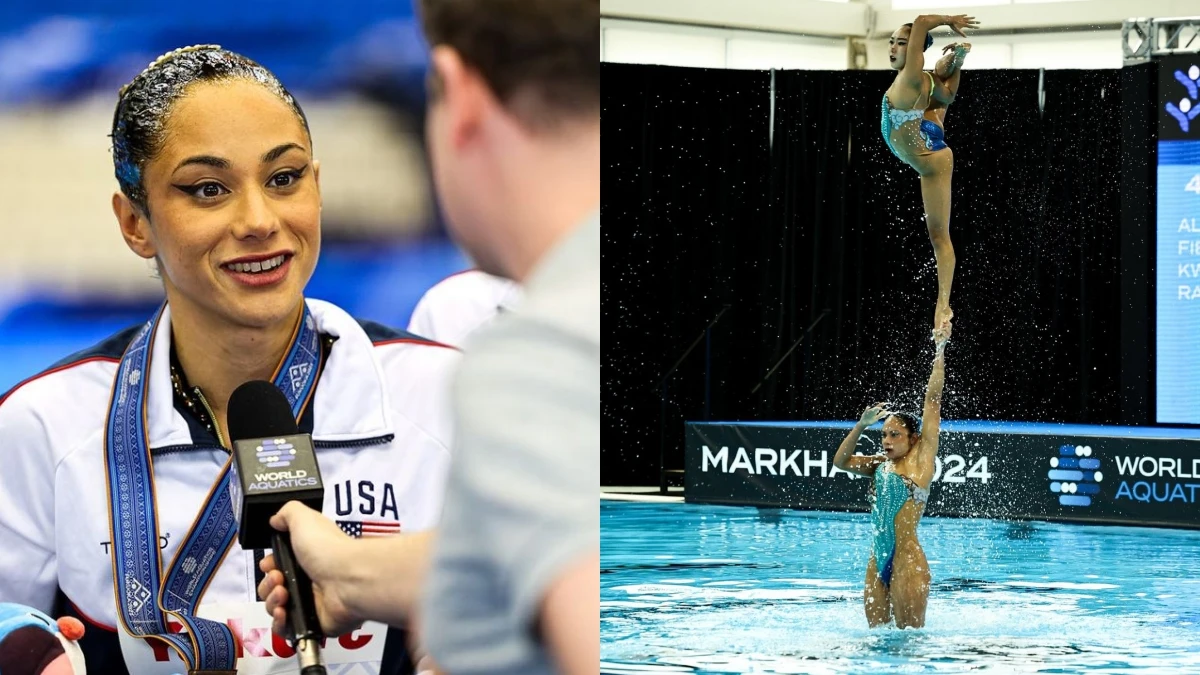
(935, 192)
(910, 587)
(875, 598)
(951, 63)
(948, 72)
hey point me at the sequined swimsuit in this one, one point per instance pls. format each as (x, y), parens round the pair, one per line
(891, 491)
(933, 135)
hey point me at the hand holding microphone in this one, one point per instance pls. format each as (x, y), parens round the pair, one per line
(275, 464)
(319, 581)
(322, 550)
(354, 580)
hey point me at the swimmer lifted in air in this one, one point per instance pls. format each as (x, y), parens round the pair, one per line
(914, 112)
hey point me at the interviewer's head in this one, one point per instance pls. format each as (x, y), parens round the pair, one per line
(514, 103)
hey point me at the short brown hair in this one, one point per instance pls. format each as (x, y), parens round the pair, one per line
(541, 58)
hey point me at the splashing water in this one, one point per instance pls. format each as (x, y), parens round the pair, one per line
(707, 589)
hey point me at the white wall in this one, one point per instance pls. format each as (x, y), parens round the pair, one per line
(663, 47)
(811, 34)
(1101, 49)
(811, 17)
(676, 45)
(1052, 51)
(1025, 14)
(701, 47)
(859, 17)
(965, 4)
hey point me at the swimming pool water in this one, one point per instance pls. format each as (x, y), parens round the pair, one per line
(716, 589)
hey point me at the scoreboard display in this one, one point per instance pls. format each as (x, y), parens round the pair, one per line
(1177, 276)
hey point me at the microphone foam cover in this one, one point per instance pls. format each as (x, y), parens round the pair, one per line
(257, 409)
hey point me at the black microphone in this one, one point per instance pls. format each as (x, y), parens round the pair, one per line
(273, 463)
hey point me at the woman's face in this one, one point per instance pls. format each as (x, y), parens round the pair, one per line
(898, 47)
(896, 439)
(235, 209)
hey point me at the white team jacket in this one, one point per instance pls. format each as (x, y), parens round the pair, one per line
(381, 423)
(455, 307)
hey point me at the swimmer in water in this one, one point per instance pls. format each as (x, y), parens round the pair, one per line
(914, 111)
(898, 574)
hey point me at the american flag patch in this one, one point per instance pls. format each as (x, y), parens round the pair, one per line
(369, 528)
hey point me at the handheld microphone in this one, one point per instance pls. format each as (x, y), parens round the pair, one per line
(273, 463)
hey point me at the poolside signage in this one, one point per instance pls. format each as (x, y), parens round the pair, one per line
(1179, 91)
(1075, 475)
(1177, 248)
(1031, 471)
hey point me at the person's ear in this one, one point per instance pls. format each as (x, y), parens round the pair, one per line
(463, 93)
(135, 226)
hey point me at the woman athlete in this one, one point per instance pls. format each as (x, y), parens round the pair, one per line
(897, 583)
(914, 110)
(115, 504)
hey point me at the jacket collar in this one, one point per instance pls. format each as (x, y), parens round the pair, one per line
(350, 403)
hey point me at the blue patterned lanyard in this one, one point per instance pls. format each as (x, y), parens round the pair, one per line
(144, 599)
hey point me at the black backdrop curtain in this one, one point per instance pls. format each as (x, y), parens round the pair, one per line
(701, 209)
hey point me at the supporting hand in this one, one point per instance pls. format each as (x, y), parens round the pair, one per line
(942, 316)
(941, 335)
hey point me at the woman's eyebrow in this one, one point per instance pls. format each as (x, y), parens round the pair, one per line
(207, 160)
(222, 163)
(277, 152)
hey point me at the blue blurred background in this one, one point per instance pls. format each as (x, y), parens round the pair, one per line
(66, 278)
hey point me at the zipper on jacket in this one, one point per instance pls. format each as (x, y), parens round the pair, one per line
(359, 443)
(362, 442)
(212, 416)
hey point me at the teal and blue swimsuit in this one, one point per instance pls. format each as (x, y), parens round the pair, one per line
(932, 134)
(890, 493)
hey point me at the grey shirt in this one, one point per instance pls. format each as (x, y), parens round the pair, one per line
(521, 502)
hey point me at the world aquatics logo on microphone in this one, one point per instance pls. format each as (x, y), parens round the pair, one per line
(275, 453)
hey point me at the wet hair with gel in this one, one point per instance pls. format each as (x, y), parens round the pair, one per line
(143, 106)
(909, 421)
(928, 37)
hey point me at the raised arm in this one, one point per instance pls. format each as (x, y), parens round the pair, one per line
(914, 61)
(931, 416)
(845, 459)
(914, 52)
